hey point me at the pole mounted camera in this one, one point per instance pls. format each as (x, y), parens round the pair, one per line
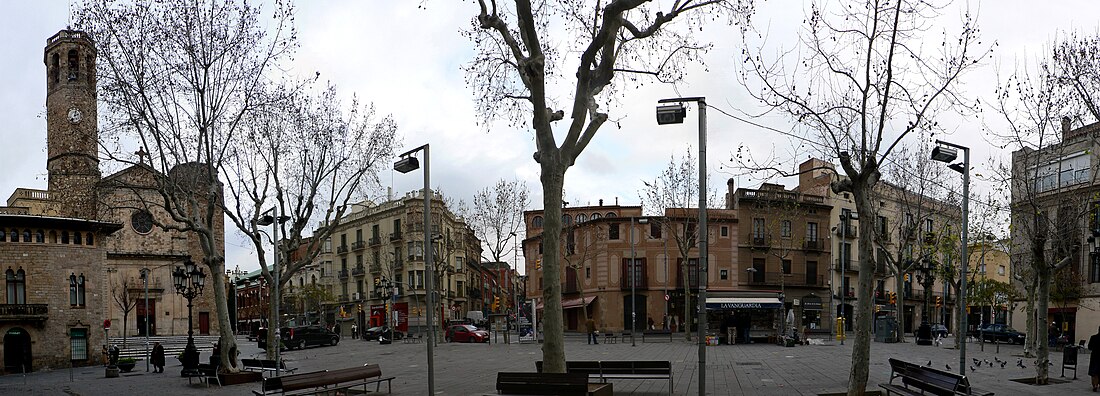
(671, 114)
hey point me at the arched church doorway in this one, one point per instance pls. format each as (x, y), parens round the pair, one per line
(17, 351)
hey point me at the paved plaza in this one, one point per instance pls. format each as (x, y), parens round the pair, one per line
(470, 369)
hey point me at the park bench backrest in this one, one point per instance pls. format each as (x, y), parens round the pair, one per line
(279, 383)
(652, 367)
(583, 367)
(542, 383)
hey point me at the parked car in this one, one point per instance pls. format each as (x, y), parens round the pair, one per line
(300, 337)
(999, 333)
(373, 333)
(466, 333)
(939, 330)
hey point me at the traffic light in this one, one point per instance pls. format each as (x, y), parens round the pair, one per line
(939, 301)
(538, 263)
(906, 277)
(496, 303)
(893, 298)
(377, 282)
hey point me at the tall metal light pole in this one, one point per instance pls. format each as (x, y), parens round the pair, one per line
(947, 152)
(407, 164)
(674, 114)
(271, 220)
(633, 283)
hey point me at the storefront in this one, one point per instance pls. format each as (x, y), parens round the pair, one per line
(812, 319)
(744, 318)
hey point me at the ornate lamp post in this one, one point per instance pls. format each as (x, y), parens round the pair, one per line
(926, 277)
(189, 281)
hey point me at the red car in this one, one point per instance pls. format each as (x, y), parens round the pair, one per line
(466, 333)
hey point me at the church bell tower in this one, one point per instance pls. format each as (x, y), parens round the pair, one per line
(71, 131)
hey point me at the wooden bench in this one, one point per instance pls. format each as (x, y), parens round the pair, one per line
(550, 384)
(266, 366)
(657, 334)
(205, 373)
(609, 337)
(920, 380)
(626, 334)
(620, 369)
(326, 381)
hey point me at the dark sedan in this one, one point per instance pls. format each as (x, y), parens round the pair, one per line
(373, 333)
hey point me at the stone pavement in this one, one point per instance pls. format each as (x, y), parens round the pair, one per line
(470, 369)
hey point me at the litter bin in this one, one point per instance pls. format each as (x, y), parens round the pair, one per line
(924, 334)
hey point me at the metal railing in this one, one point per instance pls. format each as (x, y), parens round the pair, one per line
(358, 245)
(814, 244)
(358, 271)
(24, 311)
(792, 279)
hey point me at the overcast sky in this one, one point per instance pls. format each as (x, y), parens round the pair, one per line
(407, 59)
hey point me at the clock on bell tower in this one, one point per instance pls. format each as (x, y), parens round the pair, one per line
(71, 130)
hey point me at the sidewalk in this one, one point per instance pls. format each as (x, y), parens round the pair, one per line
(470, 369)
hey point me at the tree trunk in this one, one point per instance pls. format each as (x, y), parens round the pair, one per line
(1042, 369)
(1029, 310)
(226, 339)
(553, 347)
(272, 324)
(125, 320)
(861, 349)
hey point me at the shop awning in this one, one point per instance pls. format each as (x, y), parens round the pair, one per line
(575, 302)
(744, 303)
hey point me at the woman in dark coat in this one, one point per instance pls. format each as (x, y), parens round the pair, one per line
(158, 358)
(1094, 360)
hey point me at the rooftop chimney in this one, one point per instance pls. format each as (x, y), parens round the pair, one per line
(601, 201)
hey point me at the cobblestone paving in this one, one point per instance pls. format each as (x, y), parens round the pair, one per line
(470, 369)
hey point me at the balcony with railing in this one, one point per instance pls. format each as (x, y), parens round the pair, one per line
(395, 236)
(624, 281)
(358, 271)
(780, 195)
(760, 241)
(847, 265)
(779, 278)
(342, 249)
(375, 240)
(850, 294)
(814, 245)
(847, 231)
(399, 263)
(343, 274)
(24, 312)
(358, 245)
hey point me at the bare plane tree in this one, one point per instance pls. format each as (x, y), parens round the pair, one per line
(618, 43)
(859, 82)
(120, 291)
(497, 216)
(305, 156)
(178, 77)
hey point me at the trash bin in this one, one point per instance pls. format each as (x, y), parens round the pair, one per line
(924, 334)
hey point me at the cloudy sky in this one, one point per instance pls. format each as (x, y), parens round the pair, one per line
(406, 59)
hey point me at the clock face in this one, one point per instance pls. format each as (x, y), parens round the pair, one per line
(75, 115)
(142, 221)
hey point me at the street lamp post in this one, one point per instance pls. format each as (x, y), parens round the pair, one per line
(407, 164)
(947, 152)
(189, 281)
(271, 220)
(927, 278)
(674, 114)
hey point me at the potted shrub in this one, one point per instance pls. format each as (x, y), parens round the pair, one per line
(126, 364)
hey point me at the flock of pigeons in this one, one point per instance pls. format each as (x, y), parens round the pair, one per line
(978, 363)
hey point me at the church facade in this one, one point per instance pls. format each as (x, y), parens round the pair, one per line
(85, 253)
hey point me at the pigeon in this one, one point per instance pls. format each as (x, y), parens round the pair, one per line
(929, 364)
(1003, 363)
(989, 363)
(996, 359)
(948, 366)
(976, 361)
(973, 369)
(1020, 363)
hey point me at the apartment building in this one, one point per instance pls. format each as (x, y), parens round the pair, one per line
(1055, 205)
(376, 245)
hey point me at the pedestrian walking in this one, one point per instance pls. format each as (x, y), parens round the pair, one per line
(354, 331)
(1094, 360)
(590, 327)
(158, 358)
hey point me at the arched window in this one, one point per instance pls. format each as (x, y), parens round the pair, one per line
(14, 235)
(74, 66)
(537, 221)
(610, 214)
(76, 290)
(595, 216)
(55, 68)
(40, 236)
(313, 279)
(3, 235)
(26, 235)
(76, 238)
(16, 285)
(566, 220)
(65, 237)
(89, 239)
(581, 218)
(53, 236)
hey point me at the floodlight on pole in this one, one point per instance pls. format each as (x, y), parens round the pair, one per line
(947, 152)
(274, 221)
(407, 163)
(666, 115)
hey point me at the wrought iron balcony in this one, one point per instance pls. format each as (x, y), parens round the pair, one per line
(375, 268)
(395, 236)
(342, 249)
(375, 241)
(358, 245)
(847, 232)
(24, 312)
(343, 274)
(816, 245)
(359, 271)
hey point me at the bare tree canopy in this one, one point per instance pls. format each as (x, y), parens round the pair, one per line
(178, 77)
(497, 216)
(859, 82)
(522, 45)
